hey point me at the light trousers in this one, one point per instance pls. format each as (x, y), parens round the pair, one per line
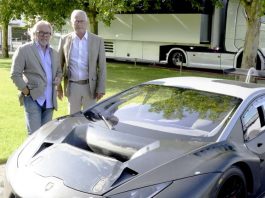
(79, 98)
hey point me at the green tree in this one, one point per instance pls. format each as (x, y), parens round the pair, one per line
(104, 10)
(9, 9)
(209, 106)
(54, 11)
(254, 10)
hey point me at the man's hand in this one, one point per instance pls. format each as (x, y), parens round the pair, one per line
(59, 90)
(99, 96)
(60, 94)
(26, 91)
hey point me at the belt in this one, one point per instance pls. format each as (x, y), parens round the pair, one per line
(80, 82)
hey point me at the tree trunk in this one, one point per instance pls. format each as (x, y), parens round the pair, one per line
(5, 40)
(252, 35)
(93, 22)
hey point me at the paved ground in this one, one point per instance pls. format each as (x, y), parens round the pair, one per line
(2, 166)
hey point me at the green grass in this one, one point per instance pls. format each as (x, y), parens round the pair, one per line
(119, 76)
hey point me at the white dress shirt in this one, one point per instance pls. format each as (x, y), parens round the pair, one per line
(78, 64)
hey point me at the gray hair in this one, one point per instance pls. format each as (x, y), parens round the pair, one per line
(33, 30)
(75, 12)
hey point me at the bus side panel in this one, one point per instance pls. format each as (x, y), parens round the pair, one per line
(175, 28)
(241, 28)
(151, 51)
(170, 28)
(204, 60)
(262, 35)
(227, 60)
(231, 22)
(128, 49)
(139, 36)
(120, 28)
(210, 60)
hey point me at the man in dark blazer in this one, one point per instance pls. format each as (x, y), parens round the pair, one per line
(36, 73)
(83, 61)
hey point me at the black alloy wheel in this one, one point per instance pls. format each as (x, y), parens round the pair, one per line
(232, 184)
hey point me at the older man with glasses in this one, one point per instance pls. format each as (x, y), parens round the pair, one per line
(36, 73)
(83, 61)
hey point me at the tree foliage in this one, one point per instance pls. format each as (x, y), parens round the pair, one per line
(9, 9)
(104, 10)
(54, 11)
(254, 10)
(208, 106)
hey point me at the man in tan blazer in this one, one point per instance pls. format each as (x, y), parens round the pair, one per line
(36, 73)
(83, 62)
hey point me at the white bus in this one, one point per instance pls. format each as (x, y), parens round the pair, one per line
(208, 38)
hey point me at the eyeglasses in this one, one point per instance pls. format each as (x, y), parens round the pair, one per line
(41, 33)
(79, 21)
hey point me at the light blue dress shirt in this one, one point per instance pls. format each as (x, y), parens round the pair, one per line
(47, 67)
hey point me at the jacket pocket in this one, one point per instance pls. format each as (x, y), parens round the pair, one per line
(32, 85)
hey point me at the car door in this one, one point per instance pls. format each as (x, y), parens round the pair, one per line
(253, 123)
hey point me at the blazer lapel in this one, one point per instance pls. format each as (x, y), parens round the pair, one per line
(36, 53)
(90, 48)
(68, 46)
(52, 63)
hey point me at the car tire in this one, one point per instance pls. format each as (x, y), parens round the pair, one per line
(232, 183)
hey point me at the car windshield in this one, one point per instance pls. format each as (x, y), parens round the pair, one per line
(166, 109)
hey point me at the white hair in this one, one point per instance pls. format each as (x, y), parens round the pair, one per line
(76, 12)
(34, 29)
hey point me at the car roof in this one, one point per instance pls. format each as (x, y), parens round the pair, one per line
(221, 86)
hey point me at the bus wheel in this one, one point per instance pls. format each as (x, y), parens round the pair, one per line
(176, 58)
(239, 61)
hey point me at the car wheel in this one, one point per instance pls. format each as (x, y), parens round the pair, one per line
(176, 58)
(232, 184)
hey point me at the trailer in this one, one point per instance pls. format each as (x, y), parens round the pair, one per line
(212, 38)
